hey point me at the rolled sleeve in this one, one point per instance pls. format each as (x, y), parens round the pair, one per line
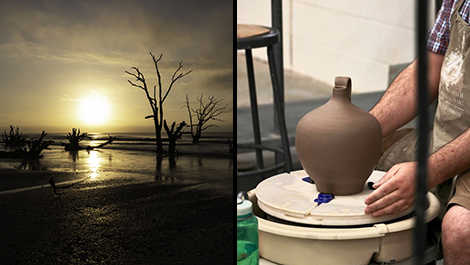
(438, 38)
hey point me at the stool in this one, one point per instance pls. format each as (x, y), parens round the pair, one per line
(249, 37)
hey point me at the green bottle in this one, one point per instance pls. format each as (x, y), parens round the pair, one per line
(247, 234)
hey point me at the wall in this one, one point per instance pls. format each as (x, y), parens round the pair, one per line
(368, 40)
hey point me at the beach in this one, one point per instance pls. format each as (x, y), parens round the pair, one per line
(113, 206)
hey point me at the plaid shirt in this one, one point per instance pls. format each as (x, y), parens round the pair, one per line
(438, 39)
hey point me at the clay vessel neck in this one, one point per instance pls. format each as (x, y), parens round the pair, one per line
(342, 89)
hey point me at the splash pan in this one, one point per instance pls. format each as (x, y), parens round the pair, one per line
(288, 197)
(381, 242)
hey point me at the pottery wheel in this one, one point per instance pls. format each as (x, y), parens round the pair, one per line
(288, 197)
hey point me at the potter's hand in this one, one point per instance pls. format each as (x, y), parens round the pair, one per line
(394, 191)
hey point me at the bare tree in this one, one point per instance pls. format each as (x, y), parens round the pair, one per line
(15, 138)
(74, 140)
(173, 135)
(205, 113)
(76, 137)
(156, 100)
(33, 151)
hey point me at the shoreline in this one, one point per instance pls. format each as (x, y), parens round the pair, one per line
(118, 220)
(108, 162)
(113, 206)
(11, 179)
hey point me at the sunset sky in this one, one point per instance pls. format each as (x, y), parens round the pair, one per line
(58, 58)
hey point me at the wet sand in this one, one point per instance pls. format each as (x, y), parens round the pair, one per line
(115, 220)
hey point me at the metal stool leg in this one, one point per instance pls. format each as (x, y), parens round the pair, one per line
(254, 106)
(279, 109)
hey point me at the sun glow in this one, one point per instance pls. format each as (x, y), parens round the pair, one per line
(94, 110)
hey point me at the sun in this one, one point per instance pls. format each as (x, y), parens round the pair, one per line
(94, 110)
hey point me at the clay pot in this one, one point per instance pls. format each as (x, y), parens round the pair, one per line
(339, 144)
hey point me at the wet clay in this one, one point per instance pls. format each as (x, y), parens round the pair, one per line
(339, 144)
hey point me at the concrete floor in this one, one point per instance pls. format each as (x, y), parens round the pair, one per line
(298, 87)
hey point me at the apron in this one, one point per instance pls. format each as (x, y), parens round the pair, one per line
(453, 110)
(452, 116)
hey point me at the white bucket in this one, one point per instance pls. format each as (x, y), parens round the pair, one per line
(382, 243)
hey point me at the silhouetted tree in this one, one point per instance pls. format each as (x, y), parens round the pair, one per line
(32, 151)
(205, 113)
(14, 138)
(173, 135)
(35, 146)
(156, 101)
(75, 138)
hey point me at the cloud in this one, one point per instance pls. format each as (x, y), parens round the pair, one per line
(119, 32)
(58, 51)
(67, 98)
(219, 80)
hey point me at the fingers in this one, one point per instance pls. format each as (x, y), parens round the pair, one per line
(391, 203)
(381, 199)
(386, 177)
(394, 191)
(381, 190)
(398, 206)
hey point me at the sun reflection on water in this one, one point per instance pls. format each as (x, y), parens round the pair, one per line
(93, 162)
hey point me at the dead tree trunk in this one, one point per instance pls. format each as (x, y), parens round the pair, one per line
(32, 151)
(74, 140)
(173, 135)
(205, 113)
(156, 101)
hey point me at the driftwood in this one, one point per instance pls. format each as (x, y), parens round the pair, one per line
(54, 187)
(70, 147)
(13, 154)
(74, 140)
(14, 138)
(33, 149)
(76, 137)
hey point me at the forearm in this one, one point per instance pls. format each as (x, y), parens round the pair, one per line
(450, 160)
(398, 105)
(395, 191)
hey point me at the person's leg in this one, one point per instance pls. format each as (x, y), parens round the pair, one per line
(397, 148)
(394, 137)
(456, 223)
(456, 236)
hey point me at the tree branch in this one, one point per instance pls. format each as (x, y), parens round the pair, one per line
(173, 79)
(205, 128)
(205, 113)
(141, 78)
(156, 102)
(135, 85)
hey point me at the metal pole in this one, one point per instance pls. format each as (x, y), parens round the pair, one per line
(438, 5)
(276, 21)
(423, 141)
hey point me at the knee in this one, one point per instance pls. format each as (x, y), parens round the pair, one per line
(456, 227)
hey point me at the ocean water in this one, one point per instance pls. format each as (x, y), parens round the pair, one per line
(133, 155)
